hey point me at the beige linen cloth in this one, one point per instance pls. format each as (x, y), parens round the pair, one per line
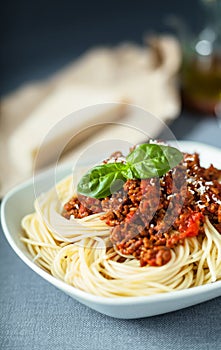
(139, 75)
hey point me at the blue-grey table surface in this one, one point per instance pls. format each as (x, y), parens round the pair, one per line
(35, 315)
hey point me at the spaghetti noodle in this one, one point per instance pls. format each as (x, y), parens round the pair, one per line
(84, 253)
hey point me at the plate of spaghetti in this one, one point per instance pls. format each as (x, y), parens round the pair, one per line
(134, 236)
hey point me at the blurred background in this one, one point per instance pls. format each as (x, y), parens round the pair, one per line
(40, 37)
(60, 56)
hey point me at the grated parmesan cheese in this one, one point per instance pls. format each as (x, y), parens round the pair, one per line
(216, 200)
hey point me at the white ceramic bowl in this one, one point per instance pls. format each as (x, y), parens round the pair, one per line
(19, 202)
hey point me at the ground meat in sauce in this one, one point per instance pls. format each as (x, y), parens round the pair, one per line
(150, 217)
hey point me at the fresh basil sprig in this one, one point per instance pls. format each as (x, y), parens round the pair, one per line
(145, 161)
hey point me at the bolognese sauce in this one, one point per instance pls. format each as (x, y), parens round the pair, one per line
(149, 217)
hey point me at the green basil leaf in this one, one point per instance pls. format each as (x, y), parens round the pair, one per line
(99, 181)
(152, 160)
(145, 161)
